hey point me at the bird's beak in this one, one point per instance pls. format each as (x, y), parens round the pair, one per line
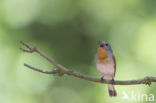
(101, 44)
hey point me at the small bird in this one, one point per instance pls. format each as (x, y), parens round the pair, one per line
(106, 65)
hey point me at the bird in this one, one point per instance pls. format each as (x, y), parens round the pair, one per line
(106, 65)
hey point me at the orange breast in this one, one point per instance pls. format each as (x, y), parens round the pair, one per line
(102, 56)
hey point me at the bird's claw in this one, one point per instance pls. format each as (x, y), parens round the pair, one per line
(113, 82)
(102, 79)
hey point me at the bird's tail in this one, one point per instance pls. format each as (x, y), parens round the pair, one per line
(111, 90)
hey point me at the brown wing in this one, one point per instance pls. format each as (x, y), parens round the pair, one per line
(114, 65)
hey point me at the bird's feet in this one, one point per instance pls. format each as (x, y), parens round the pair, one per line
(102, 79)
(113, 81)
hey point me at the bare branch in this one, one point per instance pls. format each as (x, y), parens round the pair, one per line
(62, 70)
(42, 71)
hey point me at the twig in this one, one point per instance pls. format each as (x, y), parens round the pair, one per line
(62, 70)
(42, 71)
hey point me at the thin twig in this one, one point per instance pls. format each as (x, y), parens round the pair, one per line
(62, 70)
(42, 71)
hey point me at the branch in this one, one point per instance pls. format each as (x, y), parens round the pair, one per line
(42, 71)
(61, 70)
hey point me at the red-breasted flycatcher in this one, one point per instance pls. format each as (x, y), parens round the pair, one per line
(106, 65)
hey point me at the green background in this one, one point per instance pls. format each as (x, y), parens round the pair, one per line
(69, 31)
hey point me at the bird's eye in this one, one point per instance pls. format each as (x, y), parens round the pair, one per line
(106, 44)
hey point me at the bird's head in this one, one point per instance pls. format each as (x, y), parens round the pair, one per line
(104, 45)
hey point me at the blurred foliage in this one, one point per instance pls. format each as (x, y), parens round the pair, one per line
(69, 31)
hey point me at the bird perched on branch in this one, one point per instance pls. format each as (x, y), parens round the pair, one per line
(106, 65)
